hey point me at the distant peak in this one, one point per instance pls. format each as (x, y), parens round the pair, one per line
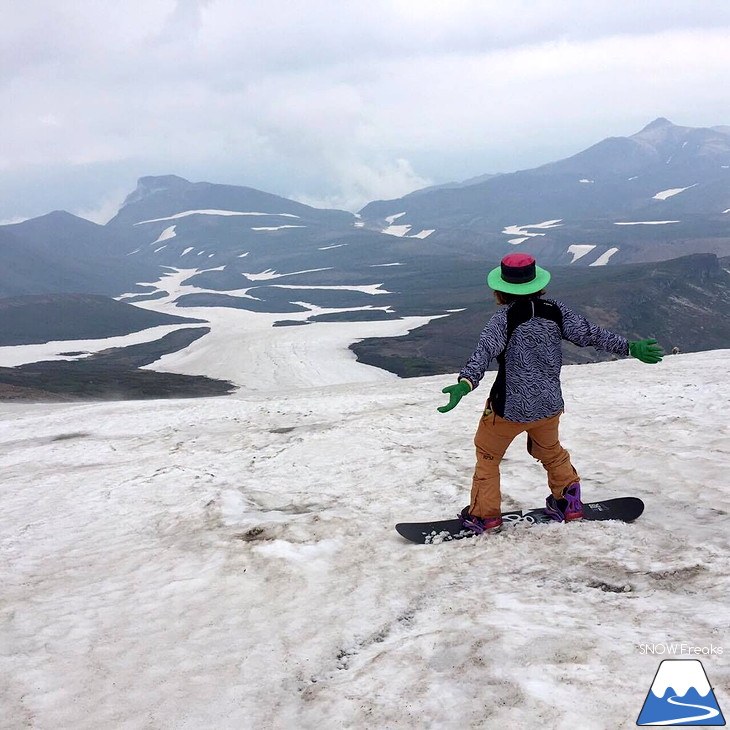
(57, 214)
(163, 181)
(151, 184)
(60, 218)
(63, 215)
(657, 124)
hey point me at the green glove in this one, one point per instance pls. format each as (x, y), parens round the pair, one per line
(456, 393)
(646, 351)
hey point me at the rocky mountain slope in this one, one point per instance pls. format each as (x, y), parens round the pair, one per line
(683, 303)
(33, 319)
(661, 193)
(626, 215)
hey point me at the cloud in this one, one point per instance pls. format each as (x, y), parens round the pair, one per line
(103, 211)
(339, 100)
(13, 221)
(358, 183)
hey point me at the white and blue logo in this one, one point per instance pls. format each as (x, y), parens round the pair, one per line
(681, 695)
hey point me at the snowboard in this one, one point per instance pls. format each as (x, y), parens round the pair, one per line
(625, 509)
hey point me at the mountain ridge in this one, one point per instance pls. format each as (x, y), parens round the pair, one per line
(176, 245)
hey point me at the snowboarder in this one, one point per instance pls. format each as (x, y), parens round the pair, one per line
(525, 338)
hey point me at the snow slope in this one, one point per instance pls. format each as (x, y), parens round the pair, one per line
(231, 562)
(245, 347)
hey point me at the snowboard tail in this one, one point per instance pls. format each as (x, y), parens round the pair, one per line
(624, 509)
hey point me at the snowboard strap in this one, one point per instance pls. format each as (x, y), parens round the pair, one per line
(523, 310)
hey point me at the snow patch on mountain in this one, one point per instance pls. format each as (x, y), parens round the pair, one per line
(16, 355)
(671, 192)
(522, 230)
(275, 228)
(166, 235)
(578, 250)
(242, 345)
(603, 259)
(172, 285)
(271, 274)
(372, 289)
(399, 231)
(643, 223)
(403, 230)
(213, 212)
(245, 348)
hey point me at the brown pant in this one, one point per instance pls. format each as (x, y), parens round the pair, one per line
(492, 439)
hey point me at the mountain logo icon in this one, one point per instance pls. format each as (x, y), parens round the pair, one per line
(681, 695)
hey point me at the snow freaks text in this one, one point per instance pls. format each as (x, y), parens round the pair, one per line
(680, 649)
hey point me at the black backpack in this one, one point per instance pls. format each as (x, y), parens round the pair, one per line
(523, 310)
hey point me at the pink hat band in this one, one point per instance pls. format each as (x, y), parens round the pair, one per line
(518, 268)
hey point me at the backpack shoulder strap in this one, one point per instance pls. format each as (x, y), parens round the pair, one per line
(520, 312)
(524, 310)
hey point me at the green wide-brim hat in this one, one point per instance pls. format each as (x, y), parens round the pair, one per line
(518, 274)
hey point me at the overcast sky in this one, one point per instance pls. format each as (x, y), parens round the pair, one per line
(334, 102)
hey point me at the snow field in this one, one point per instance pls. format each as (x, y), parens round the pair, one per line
(232, 563)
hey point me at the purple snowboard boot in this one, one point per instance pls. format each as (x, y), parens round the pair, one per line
(478, 525)
(567, 508)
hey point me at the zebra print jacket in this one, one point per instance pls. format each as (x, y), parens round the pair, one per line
(528, 348)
